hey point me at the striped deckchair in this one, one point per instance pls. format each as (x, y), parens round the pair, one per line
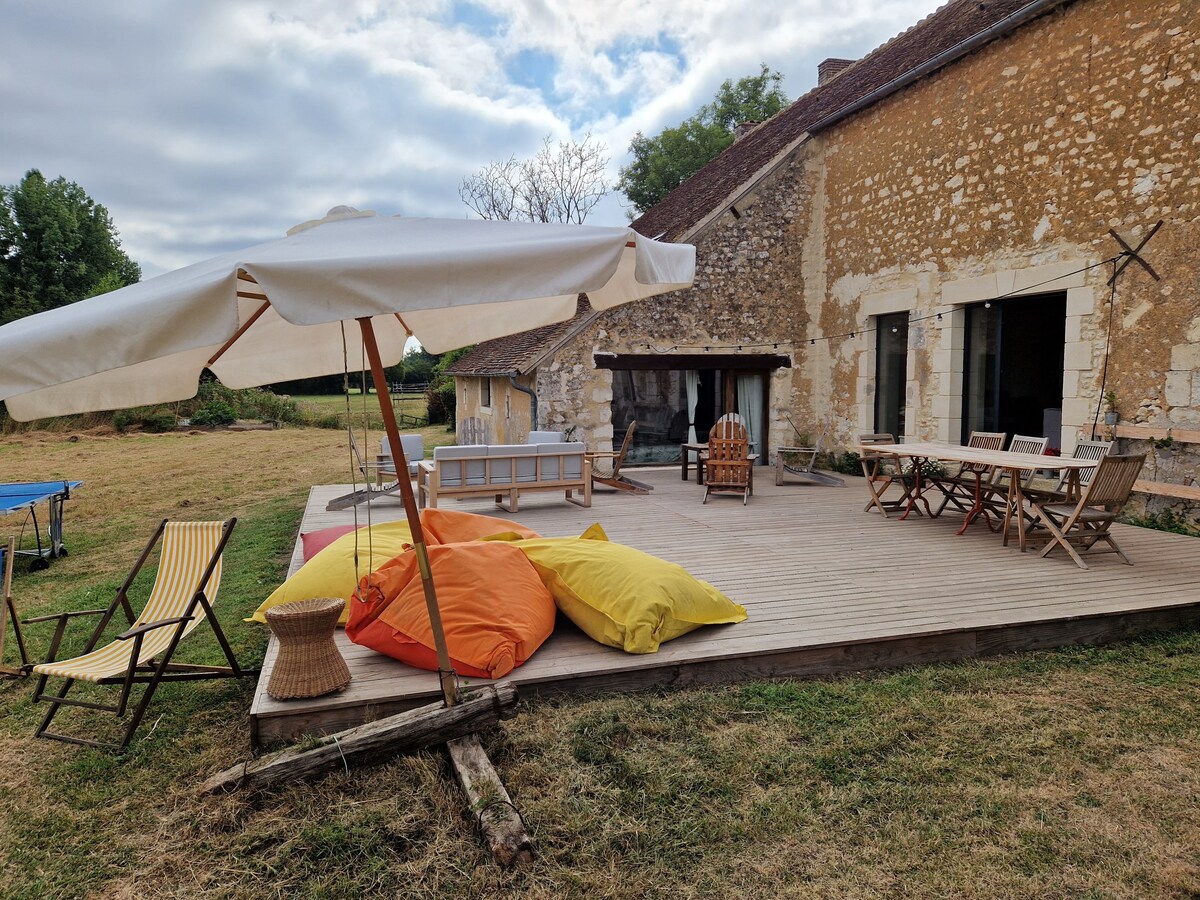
(185, 588)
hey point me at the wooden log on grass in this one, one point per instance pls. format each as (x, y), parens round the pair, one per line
(499, 822)
(404, 732)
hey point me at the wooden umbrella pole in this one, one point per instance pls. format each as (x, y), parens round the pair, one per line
(449, 690)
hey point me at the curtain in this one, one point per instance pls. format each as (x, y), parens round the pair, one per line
(692, 383)
(749, 398)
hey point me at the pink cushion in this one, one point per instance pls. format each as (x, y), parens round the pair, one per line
(316, 541)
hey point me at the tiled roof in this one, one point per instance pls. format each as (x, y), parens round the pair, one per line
(941, 31)
(510, 355)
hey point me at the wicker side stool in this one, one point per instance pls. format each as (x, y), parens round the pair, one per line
(308, 663)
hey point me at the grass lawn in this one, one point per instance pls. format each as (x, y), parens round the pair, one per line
(366, 408)
(1073, 773)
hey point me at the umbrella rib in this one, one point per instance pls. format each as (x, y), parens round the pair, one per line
(237, 334)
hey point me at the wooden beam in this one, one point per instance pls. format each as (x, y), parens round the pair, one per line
(1165, 489)
(1145, 432)
(405, 732)
(501, 825)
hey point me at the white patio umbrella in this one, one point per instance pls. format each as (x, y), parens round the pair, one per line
(275, 312)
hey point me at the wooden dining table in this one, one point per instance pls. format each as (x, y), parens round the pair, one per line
(1016, 464)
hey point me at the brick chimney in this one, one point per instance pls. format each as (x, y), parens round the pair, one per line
(831, 68)
(743, 128)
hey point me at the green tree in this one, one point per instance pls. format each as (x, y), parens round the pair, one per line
(661, 163)
(57, 246)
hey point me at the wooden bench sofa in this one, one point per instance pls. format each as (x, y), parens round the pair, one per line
(505, 471)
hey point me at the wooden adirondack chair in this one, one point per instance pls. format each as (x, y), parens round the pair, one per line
(727, 468)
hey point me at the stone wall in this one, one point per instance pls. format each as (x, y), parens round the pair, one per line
(999, 175)
(746, 295)
(506, 419)
(1009, 168)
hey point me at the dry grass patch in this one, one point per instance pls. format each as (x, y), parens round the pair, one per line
(1058, 774)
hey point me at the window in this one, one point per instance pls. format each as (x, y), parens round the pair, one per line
(891, 373)
(485, 392)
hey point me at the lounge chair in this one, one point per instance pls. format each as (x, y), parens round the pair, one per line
(1078, 526)
(606, 467)
(727, 468)
(801, 462)
(8, 557)
(382, 472)
(185, 588)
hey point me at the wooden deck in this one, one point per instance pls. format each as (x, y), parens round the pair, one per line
(828, 587)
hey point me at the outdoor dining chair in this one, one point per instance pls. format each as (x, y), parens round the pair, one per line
(185, 589)
(995, 491)
(882, 470)
(1084, 449)
(1080, 525)
(964, 489)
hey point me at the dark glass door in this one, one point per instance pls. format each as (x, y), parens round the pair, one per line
(1013, 366)
(891, 373)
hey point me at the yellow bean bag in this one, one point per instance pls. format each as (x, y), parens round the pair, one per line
(623, 597)
(332, 572)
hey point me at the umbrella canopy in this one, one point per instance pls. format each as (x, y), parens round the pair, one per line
(277, 312)
(282, 304)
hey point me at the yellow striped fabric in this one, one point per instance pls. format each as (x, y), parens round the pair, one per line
(187, 548)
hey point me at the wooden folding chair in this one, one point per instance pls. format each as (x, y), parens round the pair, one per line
(881, 471)
(996, 491)
(727, 469)
(1081, 525)
(606, 467)
(964, 489)
(8, 557)
(185, 588)
(1060, 493)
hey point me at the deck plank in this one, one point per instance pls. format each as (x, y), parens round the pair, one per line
(828, 589)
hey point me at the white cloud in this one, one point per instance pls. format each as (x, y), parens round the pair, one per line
(208, 126)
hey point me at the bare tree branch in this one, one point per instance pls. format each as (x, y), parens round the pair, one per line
(560, 183)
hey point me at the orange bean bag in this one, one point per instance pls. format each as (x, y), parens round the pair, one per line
(495, 610)
(446, 526)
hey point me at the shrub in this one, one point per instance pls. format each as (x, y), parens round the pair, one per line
(1167, 520)
(249, 403)
(215, 412)
(441, 402)
(845, 463)
(148, 419)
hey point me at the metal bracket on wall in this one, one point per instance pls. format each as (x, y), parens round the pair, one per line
(1130, 254)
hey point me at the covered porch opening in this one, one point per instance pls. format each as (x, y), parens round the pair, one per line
(676, 399)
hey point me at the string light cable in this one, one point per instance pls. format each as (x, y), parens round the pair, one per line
(811, 341)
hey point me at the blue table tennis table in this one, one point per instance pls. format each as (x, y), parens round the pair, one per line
(29, 495)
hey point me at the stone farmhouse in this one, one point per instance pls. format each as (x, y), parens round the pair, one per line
(924, 244)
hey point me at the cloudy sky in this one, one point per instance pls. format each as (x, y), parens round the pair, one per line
(206, 125)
